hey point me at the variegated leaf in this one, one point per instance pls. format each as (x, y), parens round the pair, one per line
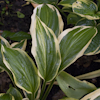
(4, 42)
(86, 8)
(73, 43)
(72, 87)
(22, 44)
(15, 93)
(94, 47)
(95, 95)
(50, 16)
(67, 3)
(2, 65)
(23, 69)
(45, 49)
(4, 96)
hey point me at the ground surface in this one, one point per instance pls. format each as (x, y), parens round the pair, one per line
(10, 21)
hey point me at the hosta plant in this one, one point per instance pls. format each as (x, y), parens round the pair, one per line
(54, 50)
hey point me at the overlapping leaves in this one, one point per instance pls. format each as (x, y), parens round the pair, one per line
(95, 95)
(67, 3)
(49, 15)
(94, 47)
(45, 49)
(86, 8)
(73, 87)
(73, 43)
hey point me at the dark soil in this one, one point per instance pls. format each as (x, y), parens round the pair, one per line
(10, 21)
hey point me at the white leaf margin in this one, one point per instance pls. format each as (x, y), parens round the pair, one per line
(92, 95)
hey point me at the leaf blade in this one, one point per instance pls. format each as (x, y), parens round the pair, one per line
(50, 16)
(73, 43)
(14, 92)
(87, 9)
(18, 62)
(4, 96)
(45, 48)
(73, 87)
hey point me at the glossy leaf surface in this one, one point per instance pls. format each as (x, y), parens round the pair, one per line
(45, 49)
(22, 44)
(94, 47)
(4, 42)
(95, 95)
(87, 9)
(50, 16)
(73, 43)
(2, 65)
(23, 69)
(15, 93)
(43, 1)
(73, 87)
(4, 96)
(67, 3)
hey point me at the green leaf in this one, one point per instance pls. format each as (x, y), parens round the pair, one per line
(20, 15)
(3, 41)
(4, 96)
(2, 65)
(98, 4)
(73, 87)
(43, 1)
(86, 22)
(98, 51)
(94, 47)
(95, 95)
(98, 98)
(67, 3)
(87, 9)
(49, 15)
(73, 43)
(45, 49)
(66, 98)
(23, 69)
(14, 92)
(73, 18)
(22, 44)
(18, 36)
(67, 9)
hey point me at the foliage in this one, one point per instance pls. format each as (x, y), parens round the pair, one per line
(53, 49)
